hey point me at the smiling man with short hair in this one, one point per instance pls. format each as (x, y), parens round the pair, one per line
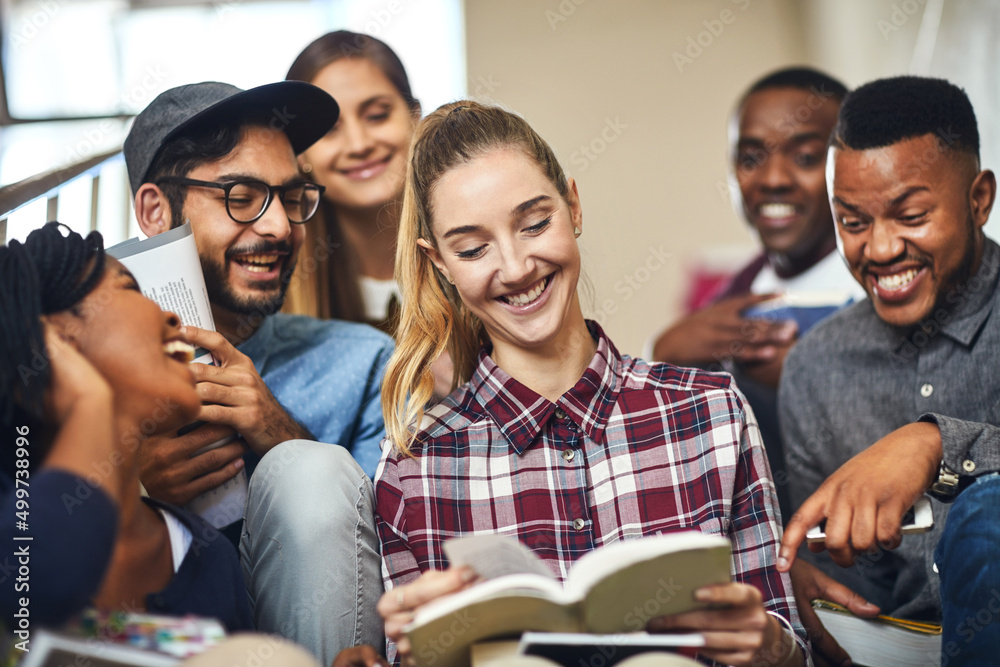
(778, 136)
(905, 382)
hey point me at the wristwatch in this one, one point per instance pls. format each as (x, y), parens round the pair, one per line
(947, 484)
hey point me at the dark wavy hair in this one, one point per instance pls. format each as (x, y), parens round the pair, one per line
(51, 271)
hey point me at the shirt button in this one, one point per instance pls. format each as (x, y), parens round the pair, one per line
(578, 524)
(569, 454)
(560, 413)
(927, 390)
(968, 466)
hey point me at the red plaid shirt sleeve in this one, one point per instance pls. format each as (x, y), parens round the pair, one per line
(396, 555)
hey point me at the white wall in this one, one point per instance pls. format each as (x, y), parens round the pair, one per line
(629, 79)
(641, 129)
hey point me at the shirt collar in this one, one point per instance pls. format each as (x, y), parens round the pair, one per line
(258, 345)
(520, 413)
(973, 299)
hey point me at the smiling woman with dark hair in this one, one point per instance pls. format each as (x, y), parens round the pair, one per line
(361, 161)
(85, 359)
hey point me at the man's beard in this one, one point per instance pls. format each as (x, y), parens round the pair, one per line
(269, 299)
(963, 272)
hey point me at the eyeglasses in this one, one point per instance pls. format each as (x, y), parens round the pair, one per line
(247, 199)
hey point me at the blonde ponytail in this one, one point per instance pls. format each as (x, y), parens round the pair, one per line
(433, 318)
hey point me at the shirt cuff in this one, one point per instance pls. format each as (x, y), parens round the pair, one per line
(968, 448)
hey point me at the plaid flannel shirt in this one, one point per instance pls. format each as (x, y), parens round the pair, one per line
(633, 449)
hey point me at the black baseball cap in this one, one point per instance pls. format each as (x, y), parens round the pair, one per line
(304, 112)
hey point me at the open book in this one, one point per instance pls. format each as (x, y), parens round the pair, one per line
(806, 308)
(613, 589)
(882, 641)
(168, 270)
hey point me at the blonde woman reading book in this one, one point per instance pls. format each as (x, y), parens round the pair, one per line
(555, 437)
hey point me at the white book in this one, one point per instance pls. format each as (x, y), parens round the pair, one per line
(612, 590)
(168, 270)
(881, 641)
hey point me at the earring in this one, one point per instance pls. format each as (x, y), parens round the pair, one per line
(576, 232)
(451, 280)
(306, 168)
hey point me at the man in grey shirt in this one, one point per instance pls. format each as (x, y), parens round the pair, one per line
(905, 382)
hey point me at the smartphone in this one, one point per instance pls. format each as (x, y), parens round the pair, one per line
(918, 519)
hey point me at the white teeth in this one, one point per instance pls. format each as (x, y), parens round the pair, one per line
(525, 298)
(897, 280)
(259, 259)
(776, 210)
(258, 263)
(179, 350)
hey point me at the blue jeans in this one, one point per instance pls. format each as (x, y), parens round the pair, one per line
(968, 560)
(309, 549)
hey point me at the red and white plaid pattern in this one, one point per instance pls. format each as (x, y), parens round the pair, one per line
(633, 449)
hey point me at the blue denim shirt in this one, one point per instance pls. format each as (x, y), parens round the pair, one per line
(328, 375)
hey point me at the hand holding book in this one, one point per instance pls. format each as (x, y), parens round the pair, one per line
(735, 625)
(397, 607)
(681, 580)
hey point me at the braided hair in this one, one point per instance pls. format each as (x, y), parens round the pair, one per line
(51, 271)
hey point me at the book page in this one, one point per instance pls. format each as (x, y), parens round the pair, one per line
(493, 556)
(511, 586)
(168, 270)
(881, 644)
(443, 630)
(628, 582)
(596, 565)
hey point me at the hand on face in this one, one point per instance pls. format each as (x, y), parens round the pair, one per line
(398, 605)
(720, 331)
(735, 628)
(234, 394)
(72, 377)
(865, 499)
(129, 340)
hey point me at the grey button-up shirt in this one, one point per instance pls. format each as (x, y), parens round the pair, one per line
(854, 379)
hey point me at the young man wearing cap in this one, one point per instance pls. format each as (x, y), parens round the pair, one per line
(897, 395)
(223, 159)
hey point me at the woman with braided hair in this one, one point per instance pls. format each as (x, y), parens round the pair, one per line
(88, 368)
